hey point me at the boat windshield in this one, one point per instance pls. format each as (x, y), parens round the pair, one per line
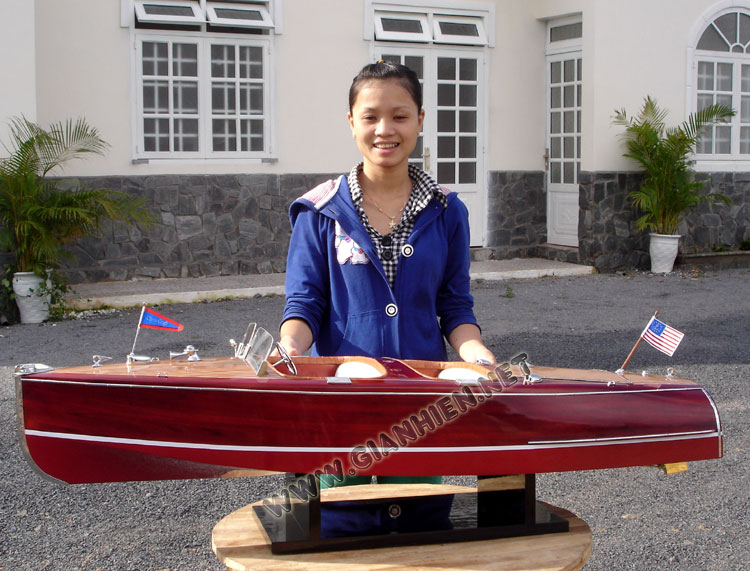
(241, 350)
(258, 347)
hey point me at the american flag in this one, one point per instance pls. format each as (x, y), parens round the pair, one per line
(662, 336)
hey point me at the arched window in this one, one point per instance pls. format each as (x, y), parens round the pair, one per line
(722, 75)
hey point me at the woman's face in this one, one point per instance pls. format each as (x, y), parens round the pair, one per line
(385, 123)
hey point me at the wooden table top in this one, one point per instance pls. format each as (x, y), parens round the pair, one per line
(238, 540)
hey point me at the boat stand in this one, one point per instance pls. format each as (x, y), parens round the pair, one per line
(501, 506)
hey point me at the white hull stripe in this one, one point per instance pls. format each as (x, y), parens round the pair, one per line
(449, 390)
(540, 445)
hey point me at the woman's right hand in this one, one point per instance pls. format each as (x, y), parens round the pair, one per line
(290, 344)
(295, 336)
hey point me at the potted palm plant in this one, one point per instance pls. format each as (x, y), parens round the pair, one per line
(40, 213)
(668, 190)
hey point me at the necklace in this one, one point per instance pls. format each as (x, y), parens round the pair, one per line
(392, 219)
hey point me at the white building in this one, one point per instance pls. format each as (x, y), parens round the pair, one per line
(222, 112)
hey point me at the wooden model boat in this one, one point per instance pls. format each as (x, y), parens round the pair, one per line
(200, 418)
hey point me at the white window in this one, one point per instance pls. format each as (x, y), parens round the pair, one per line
(564, 105)
(451, 146)
(232, 13)
(168, 12)
(445, 44)
(402, 27)
(437, 22)
(248, 16)
(202, 92)
(565, 32)
(458, 30)
(722, 76)
(169, 96)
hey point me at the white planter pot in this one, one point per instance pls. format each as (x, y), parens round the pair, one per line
(663, 250)
(32, 307)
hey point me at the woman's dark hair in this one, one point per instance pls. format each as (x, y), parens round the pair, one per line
(387, 70)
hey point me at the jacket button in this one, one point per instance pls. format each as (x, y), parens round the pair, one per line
(407, 250)
(391, 310)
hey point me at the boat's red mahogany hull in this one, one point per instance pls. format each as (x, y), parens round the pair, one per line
(85, 425)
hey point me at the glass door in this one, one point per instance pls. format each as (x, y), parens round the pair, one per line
(563, 147)
(451, 146)
(564, 85)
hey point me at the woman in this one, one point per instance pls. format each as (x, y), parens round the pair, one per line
(350, 236)
(378, 261)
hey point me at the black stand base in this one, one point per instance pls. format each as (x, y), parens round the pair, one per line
(491, 512)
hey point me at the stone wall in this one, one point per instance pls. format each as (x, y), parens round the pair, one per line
(607, 235)
(209, 226)
(719, 226)
(517, 213)
(238, 224)
(609, 239)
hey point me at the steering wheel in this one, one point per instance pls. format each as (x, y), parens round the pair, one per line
(286, 357)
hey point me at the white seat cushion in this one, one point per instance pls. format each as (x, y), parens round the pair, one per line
(461, 374)
(358, 370)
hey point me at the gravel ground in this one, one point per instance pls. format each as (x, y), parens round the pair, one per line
(640, 518)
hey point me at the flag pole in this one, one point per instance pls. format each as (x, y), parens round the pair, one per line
(140, 319)
(632, 351)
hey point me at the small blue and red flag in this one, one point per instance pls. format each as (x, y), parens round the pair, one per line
(153, 320)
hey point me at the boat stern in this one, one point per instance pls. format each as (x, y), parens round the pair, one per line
(719, 429)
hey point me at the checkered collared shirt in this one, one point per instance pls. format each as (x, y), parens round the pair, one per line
(424, 189)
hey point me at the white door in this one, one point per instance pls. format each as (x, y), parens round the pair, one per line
(563, 147)
(564, 81)
(451, 147)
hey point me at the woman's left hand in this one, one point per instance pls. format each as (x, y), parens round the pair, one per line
(476, 352)
(467, 341)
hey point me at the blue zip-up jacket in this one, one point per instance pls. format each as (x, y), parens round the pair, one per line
(350, 306)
